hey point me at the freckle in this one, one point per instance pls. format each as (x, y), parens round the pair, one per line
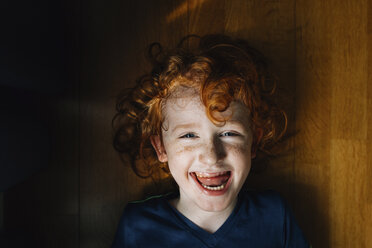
(186, 149)
(180, 151)
(237, 149)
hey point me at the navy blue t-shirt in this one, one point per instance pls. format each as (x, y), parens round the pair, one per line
(260, 219)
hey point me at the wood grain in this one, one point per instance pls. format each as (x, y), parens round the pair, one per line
(349, 126)
(367, 196)
(312, 118)
(347, 201)
(332, 76)
(205, 16)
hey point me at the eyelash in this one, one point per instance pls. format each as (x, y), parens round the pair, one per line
(191, 135)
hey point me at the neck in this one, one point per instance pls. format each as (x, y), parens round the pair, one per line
(210, 221)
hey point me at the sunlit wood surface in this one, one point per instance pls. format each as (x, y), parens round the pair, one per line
(320, 52)
(333, 96)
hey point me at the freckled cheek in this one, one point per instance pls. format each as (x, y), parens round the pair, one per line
(181, 153)
(238, 150)
(185, 149)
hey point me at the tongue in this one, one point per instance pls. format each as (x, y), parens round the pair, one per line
(214, 181)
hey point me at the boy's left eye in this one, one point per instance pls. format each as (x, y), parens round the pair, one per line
(229, 134)
(188, 135)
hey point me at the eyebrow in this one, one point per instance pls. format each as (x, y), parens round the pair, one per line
(236, 122)
(184, 126)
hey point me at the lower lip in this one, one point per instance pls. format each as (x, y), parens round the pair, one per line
(212, 192)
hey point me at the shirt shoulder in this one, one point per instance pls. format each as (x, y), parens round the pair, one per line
(144, 221)
(263, 203)
(151, 205)
(268, 211)
(265, 208)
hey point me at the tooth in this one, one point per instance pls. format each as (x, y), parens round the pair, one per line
(214, 187)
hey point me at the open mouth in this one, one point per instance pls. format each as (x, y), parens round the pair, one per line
(212, 182)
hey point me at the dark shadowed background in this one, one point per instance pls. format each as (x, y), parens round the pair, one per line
(62, 64)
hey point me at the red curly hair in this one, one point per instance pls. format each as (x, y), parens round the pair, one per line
(221, 69)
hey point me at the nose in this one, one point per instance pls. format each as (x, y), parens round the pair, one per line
(213, 152)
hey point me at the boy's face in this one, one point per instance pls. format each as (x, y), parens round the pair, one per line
(209, 163)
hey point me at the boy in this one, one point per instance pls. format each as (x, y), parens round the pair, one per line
(206, 112)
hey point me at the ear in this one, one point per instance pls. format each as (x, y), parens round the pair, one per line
(257, 138)
(159, 148)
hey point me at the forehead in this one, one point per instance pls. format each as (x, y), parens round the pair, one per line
(182, 99)
(184, 105)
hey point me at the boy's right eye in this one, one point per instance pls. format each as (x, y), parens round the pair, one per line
(188, 135)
